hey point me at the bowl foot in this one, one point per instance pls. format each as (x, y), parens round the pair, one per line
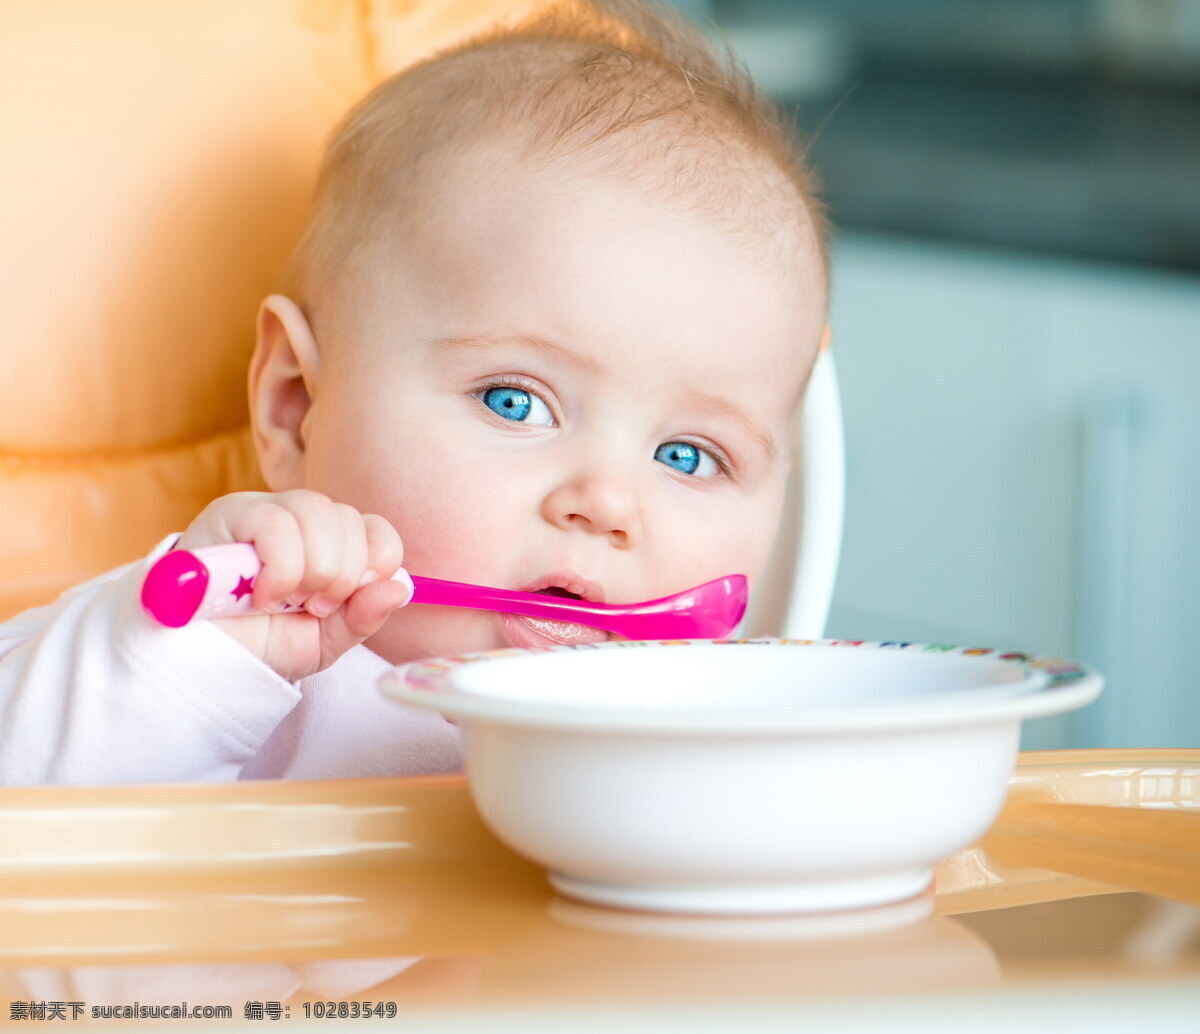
(810, 896)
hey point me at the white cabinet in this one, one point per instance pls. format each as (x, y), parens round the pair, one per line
(1023, 470)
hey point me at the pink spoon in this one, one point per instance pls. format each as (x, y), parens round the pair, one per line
(217, 581)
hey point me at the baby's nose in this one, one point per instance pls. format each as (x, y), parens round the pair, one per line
(599, 503)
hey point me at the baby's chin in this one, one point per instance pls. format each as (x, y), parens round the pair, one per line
(411, 635)
(416, 632)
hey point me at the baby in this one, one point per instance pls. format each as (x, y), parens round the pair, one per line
(549, 327)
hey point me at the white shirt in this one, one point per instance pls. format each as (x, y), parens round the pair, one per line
(93, 691)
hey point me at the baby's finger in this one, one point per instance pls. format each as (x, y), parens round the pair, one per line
(354, 562)
(277, 538)
(385, 551)
(362, 615)
(322, 530)
(215, 524)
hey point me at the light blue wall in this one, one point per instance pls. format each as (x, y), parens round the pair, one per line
(1023, 451)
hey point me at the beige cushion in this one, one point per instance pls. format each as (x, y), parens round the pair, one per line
(158, 159)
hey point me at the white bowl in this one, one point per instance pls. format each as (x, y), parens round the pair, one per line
(744, 777)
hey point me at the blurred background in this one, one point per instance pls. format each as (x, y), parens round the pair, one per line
(1015, 186)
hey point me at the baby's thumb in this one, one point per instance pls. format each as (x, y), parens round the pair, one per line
(363, 614)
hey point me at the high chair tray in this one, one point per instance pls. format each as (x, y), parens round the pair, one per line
(271, 869)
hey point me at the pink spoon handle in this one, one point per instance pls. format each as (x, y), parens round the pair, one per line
(213, 582)
(218, 581)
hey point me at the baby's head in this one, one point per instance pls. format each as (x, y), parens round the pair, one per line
(553, 317)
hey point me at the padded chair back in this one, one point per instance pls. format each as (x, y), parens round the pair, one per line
(794, 596)
(158, 162)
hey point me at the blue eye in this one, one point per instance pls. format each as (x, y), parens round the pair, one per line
(687, 459)
(518, 405)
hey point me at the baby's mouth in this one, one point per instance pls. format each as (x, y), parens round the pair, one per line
(565, 632)
(558, 590)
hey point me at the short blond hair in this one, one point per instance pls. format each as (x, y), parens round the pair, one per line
(625, 86)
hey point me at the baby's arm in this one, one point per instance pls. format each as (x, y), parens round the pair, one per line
(92, 690)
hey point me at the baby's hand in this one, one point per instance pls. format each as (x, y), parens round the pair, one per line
(335, 560)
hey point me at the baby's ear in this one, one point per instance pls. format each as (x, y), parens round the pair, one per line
(283, 379)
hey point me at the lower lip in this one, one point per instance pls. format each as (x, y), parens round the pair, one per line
(526, 632)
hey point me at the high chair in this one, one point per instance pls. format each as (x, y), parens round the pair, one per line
(158, 164)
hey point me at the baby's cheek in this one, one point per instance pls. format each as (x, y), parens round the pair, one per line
(424, 488)
(718, 542)
(457, 545)
(454, 520)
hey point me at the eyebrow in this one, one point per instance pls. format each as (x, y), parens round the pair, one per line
(492, 343)
(722, 407)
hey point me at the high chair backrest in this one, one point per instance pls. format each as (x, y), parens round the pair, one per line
(795, 594)
(158, 165)
(158, 161)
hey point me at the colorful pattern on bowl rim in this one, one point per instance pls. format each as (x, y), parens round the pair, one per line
(425, 674)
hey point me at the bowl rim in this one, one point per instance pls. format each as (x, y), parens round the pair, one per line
(1047, 686)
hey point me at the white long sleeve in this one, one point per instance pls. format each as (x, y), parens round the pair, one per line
(93, 691)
